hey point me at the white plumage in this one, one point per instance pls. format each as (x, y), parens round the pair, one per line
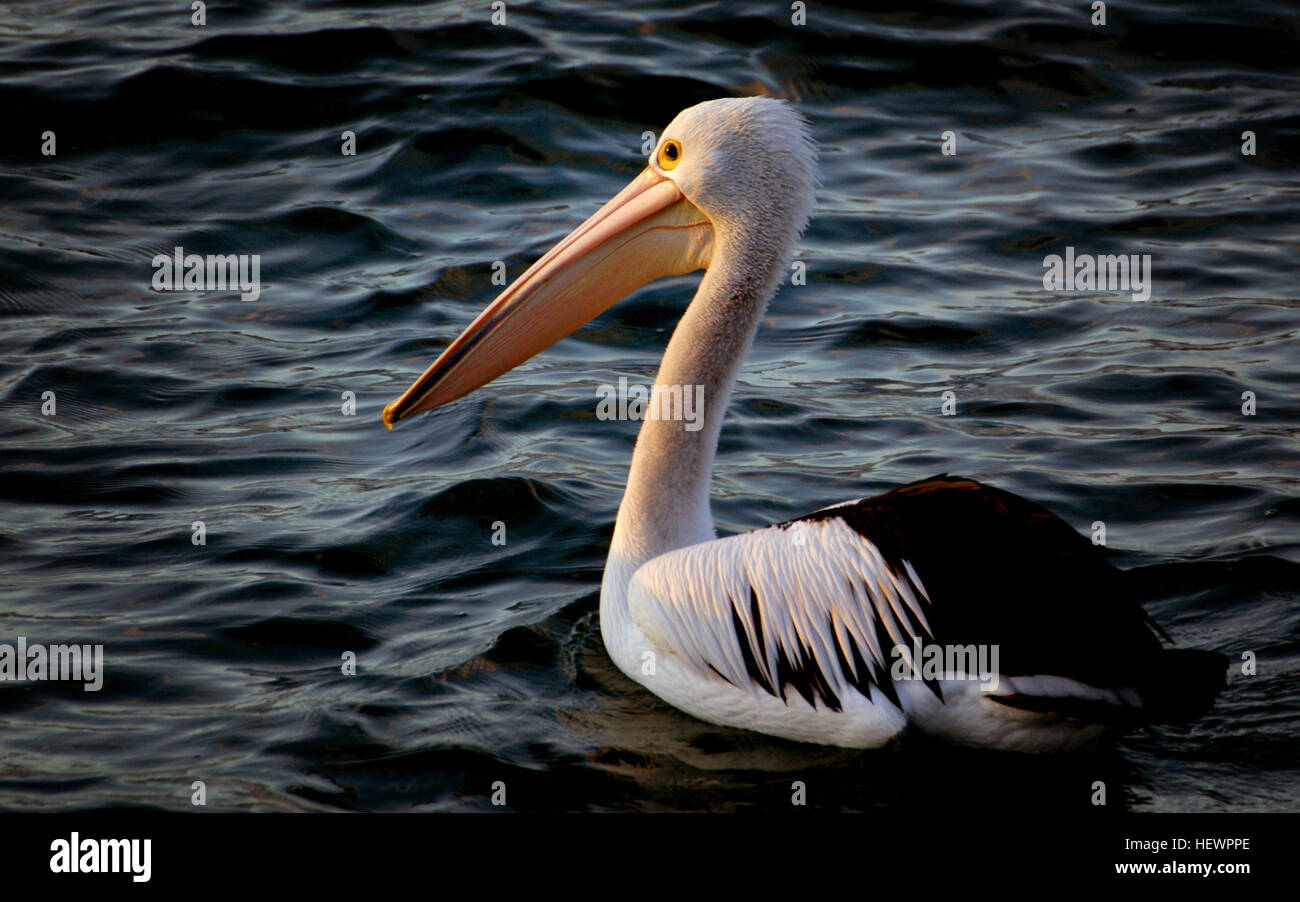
(817, 595)
(745, 613)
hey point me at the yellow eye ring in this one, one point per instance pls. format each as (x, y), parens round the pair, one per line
(670, 154)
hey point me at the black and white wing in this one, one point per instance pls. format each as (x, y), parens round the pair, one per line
(811, 607)
(816, 606)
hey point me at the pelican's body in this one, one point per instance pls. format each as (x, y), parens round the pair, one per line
(805, 630)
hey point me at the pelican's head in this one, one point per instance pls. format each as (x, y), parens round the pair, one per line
(747, 163)
(731, 177)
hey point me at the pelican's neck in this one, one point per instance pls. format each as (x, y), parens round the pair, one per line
(666, 504)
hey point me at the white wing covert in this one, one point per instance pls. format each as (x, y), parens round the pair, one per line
(811, 605)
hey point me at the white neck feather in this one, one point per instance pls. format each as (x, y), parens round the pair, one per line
(666, 503)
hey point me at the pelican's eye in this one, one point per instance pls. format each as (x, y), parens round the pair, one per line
(670, 154)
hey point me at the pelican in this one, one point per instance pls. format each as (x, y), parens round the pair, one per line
(814, 629)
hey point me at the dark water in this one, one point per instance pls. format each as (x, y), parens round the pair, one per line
(475, 143)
